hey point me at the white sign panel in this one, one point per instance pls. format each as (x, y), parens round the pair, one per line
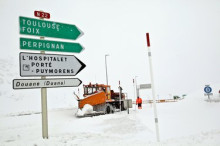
(35, 64)
(45, 83)
(144, 86)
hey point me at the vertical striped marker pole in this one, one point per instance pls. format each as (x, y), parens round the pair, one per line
(153, 88)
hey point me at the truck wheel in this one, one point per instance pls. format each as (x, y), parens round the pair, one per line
(109, 109)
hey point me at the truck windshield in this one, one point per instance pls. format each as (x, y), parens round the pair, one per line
(89, 90)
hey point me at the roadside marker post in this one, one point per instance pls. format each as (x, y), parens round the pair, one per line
(137, 92)
(134, 94)
(153, 88)
(120, 95)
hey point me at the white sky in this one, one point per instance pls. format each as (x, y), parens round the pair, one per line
(185, 40)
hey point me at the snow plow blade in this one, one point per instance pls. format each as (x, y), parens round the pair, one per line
(94, 99)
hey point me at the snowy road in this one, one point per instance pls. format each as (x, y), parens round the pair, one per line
(187, 122)
(64, 127)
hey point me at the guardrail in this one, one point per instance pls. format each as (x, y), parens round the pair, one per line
(158, 101)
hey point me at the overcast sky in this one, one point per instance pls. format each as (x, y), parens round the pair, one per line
(185, 40)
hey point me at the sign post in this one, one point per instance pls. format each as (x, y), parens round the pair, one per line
(153, 88)
(44, 111)
(44, 104)
(134, 86)
(120, 91)
(41, 64)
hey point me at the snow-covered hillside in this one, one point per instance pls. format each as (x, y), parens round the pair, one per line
(191, 121)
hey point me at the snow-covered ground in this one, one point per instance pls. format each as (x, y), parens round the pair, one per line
(191, 121)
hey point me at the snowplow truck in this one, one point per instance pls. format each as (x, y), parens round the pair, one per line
(102, 98)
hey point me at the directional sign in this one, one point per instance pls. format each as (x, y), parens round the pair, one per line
(34, 64)
(45, 83)
(42, 14)
(44, 45)
(30, 26)
(208, 89)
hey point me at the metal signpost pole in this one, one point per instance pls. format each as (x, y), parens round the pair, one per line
(136, 86)
(44, 111)
(119, 95)
(134, 93)
(152, 86)
(136, 89)
(44, 104)
(106, 71)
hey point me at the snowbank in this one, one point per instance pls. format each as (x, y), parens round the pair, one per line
(87, 109)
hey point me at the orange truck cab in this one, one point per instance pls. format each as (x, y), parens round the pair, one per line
(101, 96)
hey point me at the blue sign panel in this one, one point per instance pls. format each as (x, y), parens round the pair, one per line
(208, 89)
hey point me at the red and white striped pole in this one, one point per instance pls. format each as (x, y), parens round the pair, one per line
(153, 88)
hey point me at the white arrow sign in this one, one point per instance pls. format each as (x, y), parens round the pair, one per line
(45, 83)
(35, 64)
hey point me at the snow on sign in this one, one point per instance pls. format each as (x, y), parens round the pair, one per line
(36, 27)
(35, 64)
(45, 83)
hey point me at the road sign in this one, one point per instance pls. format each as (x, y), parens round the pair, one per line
(30, 26)
(44, 45)
(42, 14)
(144, 86)
(45, 83)
(208, 89)
(34, 64)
